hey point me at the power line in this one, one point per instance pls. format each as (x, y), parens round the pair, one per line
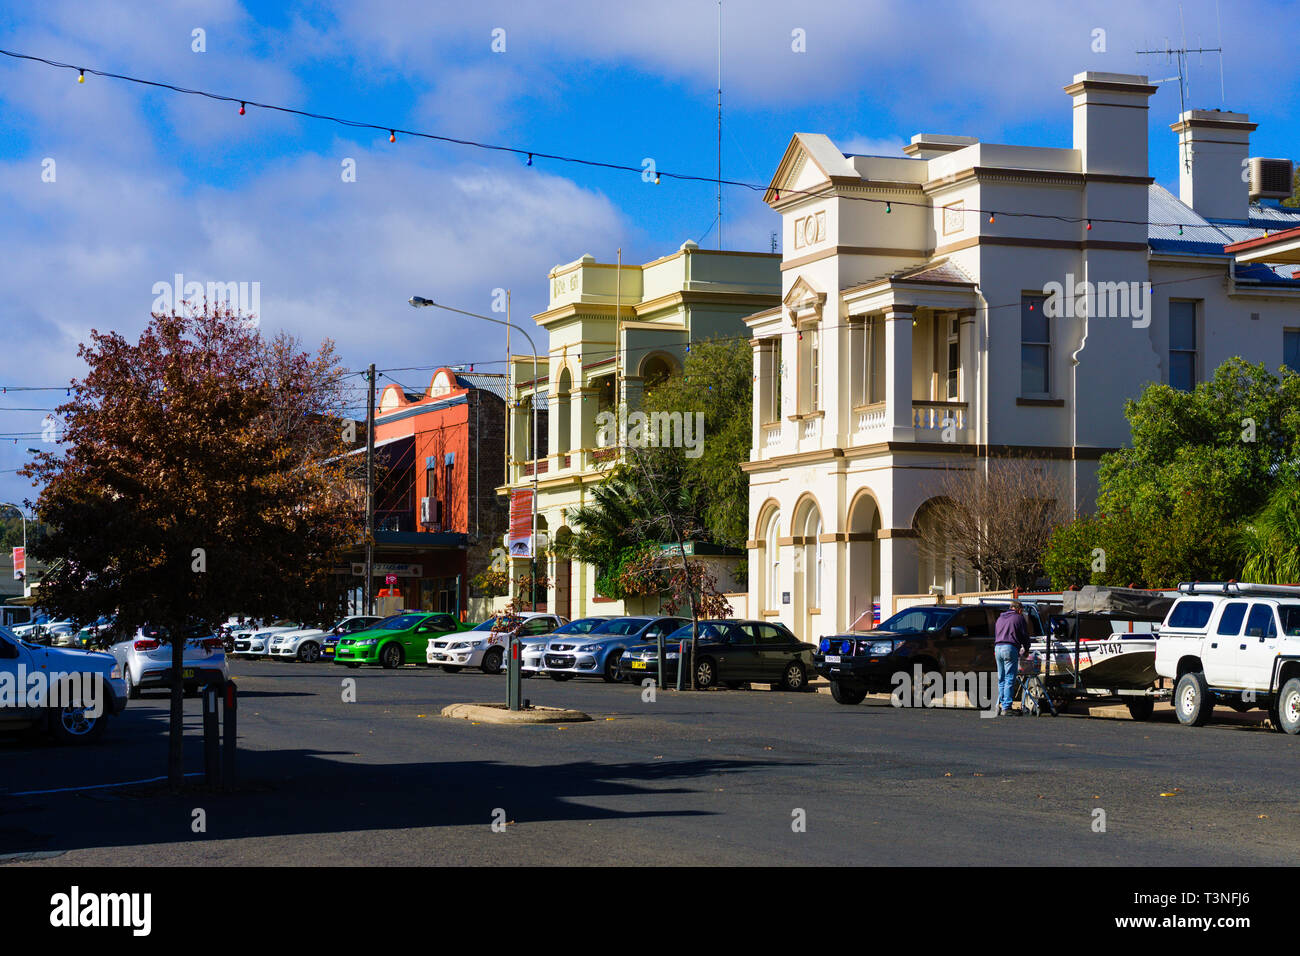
(533, 154)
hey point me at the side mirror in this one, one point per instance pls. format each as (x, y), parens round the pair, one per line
(957, 631)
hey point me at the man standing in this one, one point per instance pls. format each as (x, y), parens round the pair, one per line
(1010, 642)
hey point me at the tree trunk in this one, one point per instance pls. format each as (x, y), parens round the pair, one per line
(176, 724)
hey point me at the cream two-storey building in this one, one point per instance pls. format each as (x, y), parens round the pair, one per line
(611, 333)
(917, 330)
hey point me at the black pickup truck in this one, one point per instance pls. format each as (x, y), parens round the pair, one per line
(939, 637)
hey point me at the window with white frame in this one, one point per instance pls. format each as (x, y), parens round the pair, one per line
(769, 380)
(808, 340)
(1183, 345)
(868, 340)
(954, 359)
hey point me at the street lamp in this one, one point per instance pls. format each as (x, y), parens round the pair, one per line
(514, 688)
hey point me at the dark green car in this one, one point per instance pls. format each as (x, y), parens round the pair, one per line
(397, 640)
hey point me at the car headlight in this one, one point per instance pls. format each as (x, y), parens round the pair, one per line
(881, 647)
(369, 642)
(460, 645)
(672, 656)
(588, 648)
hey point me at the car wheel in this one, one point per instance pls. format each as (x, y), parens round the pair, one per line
(132, 688)
(492, 661)
(391, 656)
(452, 668)
(560, 677)
(1288, 707)
(71, 725)
(309, 653)
(792, 678)
(613, 670)
(1192, 699)
(1141, 708)
(706, 674)
(846, 695)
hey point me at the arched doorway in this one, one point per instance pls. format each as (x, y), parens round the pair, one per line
(810, 588)
(564, 416)
(563, 573)
(766, 571)
(863, 576)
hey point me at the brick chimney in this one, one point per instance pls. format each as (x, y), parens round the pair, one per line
(1212, 150)
(1110, 122)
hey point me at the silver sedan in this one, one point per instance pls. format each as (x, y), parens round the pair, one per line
(146, 660)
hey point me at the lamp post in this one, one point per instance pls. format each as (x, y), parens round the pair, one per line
(514, 688)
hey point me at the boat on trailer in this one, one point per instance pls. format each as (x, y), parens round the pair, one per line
(1085, 654)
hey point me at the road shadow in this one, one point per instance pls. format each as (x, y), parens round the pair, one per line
(305, 792)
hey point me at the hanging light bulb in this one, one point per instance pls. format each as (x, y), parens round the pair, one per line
(888, 207)
(1180, 229)
(241, 109)
(392, 136)
(81, 76)
(1089, 226)
(656, 179)
(530, 160)
(993, 217)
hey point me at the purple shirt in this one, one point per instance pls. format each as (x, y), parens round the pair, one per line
(1011, 629)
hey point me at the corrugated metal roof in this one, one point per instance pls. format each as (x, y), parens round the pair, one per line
(1203, 237)
(487, 381)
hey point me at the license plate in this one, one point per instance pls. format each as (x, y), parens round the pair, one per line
(638, 665)
(832, 658)
(187, 673)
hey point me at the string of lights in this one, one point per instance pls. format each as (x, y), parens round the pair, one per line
(535, 154)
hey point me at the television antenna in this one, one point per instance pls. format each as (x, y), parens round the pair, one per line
(1180, 55)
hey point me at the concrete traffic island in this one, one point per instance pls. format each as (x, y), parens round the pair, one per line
(499, 714)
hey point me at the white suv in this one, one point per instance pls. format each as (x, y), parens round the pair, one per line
(1238, 644)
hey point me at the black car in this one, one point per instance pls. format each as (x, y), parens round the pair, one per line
(939, 638)
(729, 652)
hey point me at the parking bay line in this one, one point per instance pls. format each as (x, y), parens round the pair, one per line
(93, 786)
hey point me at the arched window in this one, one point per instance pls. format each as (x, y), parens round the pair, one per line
(564, 413)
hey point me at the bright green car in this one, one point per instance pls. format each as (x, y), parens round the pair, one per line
(396, 640)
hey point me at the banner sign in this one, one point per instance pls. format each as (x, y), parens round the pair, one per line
(521, 523)
(390, 570)
(20, 563)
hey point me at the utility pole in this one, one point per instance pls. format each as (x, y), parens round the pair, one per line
(719, 124)
(368, 587)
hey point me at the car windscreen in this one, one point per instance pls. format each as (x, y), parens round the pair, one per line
(1290, 620)
(497, 624)
(622, 625)
(714, 632)
(399, 622)
(583, 625)
(918, 620)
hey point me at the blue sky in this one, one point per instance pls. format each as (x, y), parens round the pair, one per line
(149, 184)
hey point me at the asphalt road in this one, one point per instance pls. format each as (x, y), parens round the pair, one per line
(715, 777)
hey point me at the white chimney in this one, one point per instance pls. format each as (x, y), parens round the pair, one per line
(932, 145)
(1213, 147)
(1110, 122)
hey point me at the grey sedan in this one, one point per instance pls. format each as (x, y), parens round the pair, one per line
(146, 660)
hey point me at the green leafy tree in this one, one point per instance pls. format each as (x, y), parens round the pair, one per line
(716, 381)
(1171, 506)
(1270, 542)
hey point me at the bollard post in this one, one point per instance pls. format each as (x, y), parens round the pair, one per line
(514, 686)
(681, 662)
(659, 650)
(211, 738)
(231, 736)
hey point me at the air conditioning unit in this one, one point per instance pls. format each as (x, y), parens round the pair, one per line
(1271, 178)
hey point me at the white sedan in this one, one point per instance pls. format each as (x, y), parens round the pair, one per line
(257, 643)
(305, 644)
(484, 647)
